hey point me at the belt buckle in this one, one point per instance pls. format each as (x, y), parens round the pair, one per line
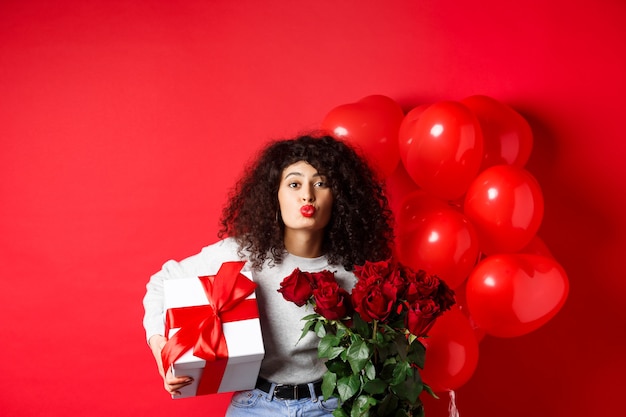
(282, 388)
(278, 390)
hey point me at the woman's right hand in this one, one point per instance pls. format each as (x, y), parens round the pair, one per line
(171, 383)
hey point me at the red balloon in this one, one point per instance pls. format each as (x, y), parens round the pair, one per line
(451, 352)
(398, 185)
(407, 131)
(506, 205)
(461, 302)
(446, 151)
(441, 241)
(510, 295)
(370, 125)
(507, 136)
(537, 247)
(414, 204)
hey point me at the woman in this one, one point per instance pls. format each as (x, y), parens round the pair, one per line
(310, 203)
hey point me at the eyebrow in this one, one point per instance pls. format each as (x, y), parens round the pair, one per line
(300, 174)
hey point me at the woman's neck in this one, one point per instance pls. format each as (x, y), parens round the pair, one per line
(303, 243)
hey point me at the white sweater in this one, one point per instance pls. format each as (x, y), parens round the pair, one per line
(287, 359)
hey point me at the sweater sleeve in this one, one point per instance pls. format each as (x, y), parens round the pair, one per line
(207, 262)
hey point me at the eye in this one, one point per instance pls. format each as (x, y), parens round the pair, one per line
(321, 184)
(293, 185)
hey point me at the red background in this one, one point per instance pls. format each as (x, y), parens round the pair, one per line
(123, 124)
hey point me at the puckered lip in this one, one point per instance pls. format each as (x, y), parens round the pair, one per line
(307, 210)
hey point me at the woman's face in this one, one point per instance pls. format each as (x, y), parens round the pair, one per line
(305, 198)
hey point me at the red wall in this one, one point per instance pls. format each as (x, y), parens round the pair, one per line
(122, 125)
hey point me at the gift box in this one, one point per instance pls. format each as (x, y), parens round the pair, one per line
(213, 331)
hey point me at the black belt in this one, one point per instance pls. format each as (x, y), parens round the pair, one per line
(289, 392)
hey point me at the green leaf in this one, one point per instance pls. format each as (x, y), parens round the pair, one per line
(328, 347)
(388, 405)
(307, 328)
(320, 330)
(417, 354)
(362, 405)
(400, 373)
(430, 391)
(348, 386)
(410, 388)
(338, 366)
(335, 352)
(361, 326)
(379, 339)
(340, 412)
(417, 409)
(358, 355)
(329, 383)
(388, 369)
(375, 386)
(401, 347)
(370, 370)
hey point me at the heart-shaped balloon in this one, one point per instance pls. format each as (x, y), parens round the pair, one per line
(371, 125)
(510, 295)
(538, 247)
(507, 136)
(398, 185)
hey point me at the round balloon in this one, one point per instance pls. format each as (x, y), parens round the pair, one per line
(407, 131)
(506, 205)
(451, 352)
(441, 241)
(446, 149)
(507, 136)
(370, 125)
(510, 295)
(413, 205)
(460, 297)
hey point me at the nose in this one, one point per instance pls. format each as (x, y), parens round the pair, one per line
(308, 195)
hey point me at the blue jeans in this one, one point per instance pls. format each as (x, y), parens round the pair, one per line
(259, 403)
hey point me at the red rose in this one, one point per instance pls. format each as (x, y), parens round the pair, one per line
(318, 277)
(380, 269)
(421, 285)
(398, 277)
(297, 287)
(444, 296)
(421, 316)
(374, 298)
(331, 301)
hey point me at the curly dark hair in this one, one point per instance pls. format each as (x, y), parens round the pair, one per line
(360, 227)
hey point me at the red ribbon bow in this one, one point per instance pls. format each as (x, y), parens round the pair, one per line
(200, 327)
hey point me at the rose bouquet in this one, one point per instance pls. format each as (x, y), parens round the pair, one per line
(370, 338)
